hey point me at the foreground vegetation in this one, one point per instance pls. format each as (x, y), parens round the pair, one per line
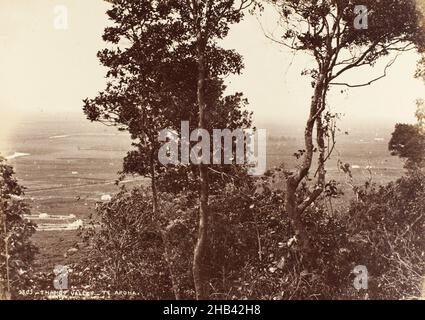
(253, 253)
(203, 231)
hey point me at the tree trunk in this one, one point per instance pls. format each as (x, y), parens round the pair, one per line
(5, 284)
(199, 267)
(292, 208)
(3, 277)
(292, 212)
(3, 290)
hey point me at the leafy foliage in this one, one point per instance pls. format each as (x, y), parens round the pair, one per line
(17, 252)
(152, 73)
(408, 141)
(125, 249)
(387, 225)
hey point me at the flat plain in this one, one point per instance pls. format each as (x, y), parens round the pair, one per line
(68, 166)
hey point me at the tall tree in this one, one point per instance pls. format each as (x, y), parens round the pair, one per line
(206, 22)
(165, 67)
(341, 37)
(408, 140)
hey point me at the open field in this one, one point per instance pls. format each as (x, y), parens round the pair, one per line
(67, 167)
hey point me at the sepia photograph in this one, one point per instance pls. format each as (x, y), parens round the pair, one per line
(231, 151)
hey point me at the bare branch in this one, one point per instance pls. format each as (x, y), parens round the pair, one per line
(368, 83)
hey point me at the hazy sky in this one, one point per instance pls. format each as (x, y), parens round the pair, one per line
(51, 71)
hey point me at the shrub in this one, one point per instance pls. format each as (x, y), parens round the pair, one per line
(387, 224)
(253, 251)
(125, 249)
(15, 233)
